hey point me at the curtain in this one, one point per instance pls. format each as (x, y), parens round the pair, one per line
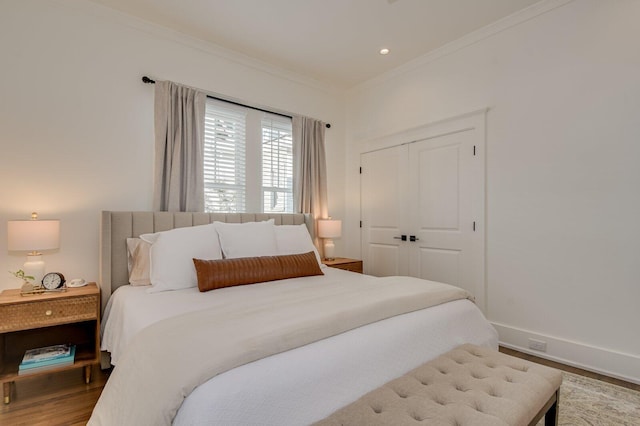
(310, 183)
(179, 148)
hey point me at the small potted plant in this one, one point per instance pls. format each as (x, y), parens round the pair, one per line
(27, 286)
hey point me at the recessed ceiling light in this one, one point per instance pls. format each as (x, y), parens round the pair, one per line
(384, 51)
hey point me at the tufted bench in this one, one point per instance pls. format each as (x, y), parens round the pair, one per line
(469, 385)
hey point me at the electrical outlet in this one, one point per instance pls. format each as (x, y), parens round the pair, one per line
(537, 345)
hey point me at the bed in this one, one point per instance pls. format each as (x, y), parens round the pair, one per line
(289, 385)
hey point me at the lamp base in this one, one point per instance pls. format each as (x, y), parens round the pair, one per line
(34, 266)
(329, 249)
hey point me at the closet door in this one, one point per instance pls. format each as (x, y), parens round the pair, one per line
(440, 206)
(430, 191)
(384, 182)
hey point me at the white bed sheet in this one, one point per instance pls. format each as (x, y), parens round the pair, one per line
(306, 384)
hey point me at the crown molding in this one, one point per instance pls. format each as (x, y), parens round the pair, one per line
(158, 31)
(503, 24)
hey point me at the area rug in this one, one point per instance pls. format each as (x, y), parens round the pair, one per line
(590, 402)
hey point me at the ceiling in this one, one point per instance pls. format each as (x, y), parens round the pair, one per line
(334, 41)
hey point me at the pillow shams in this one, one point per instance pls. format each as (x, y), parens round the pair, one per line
(172, 254)
(138, 258)
(295, 239)
(249, 239)
(168, 266)
(214, 274)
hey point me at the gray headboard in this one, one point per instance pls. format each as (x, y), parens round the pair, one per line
(116, 227)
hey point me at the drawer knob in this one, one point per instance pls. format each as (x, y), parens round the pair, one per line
(48, 312)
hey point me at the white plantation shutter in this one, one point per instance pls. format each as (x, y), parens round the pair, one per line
(277, 165)
(233, 137)
(224, 158)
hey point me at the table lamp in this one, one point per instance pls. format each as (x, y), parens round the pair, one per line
(329, 229)
(31, 236)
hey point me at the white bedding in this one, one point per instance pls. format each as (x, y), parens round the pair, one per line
(308, 383)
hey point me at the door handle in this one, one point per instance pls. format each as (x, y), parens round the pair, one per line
(401, 237)
(413, 238)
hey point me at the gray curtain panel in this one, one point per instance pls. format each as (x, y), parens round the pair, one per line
(310, 183)
(179, 135)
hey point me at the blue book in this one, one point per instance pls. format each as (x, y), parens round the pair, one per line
(43, 368)
(46, 353)
(53, 362)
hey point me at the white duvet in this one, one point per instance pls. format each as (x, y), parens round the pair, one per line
(304, 384)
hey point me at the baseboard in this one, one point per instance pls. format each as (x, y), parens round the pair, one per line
(599, 360)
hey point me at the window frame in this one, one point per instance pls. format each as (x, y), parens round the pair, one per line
(253, 162)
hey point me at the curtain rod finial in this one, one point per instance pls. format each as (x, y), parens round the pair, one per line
(146, 79)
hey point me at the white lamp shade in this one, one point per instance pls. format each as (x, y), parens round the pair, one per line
(33, 235)
(329, 228)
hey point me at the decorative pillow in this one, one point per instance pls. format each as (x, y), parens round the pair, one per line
(172, 254)
(214, 274)
(295, 239)
(138, 260)
(249, 239)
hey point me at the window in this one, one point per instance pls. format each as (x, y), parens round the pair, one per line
(248, 160)
(277, 165)
(224, 159)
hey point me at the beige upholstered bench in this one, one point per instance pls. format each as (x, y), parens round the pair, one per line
(469, 385)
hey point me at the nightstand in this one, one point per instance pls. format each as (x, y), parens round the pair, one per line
(28, 322)
(352, 265)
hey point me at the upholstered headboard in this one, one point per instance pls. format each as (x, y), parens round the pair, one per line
(116, 227)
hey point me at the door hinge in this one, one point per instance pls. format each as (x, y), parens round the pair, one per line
(360, 170)
(474, 150)
(360, 224)
(474, 226)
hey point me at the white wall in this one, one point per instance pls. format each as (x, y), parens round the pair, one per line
(563, 197)
(76, 122)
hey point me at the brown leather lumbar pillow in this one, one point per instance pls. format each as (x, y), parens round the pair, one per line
(213, 274)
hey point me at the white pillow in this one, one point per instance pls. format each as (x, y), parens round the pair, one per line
(138, 261)
(172, 254)
(295, 239)
(249, 239)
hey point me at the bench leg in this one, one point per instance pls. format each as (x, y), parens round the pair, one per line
(551, 417)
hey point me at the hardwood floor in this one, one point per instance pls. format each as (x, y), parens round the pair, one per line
(64, 399)
(57, 399)
(570, 369)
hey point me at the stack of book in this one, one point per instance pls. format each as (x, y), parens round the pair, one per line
(46, 358)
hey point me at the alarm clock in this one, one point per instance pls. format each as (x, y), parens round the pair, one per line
(53, 280)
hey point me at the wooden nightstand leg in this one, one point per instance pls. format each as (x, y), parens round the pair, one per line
(7, 392)
(87, 374)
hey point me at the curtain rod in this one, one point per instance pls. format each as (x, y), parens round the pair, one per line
(147, 80)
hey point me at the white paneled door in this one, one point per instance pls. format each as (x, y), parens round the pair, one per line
(384, 189)
(422, 209)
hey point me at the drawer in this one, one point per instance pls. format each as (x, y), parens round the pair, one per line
(353, 267)
(28, 315)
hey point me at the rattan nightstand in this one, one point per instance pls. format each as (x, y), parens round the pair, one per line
(352, 265)
(28, 322)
